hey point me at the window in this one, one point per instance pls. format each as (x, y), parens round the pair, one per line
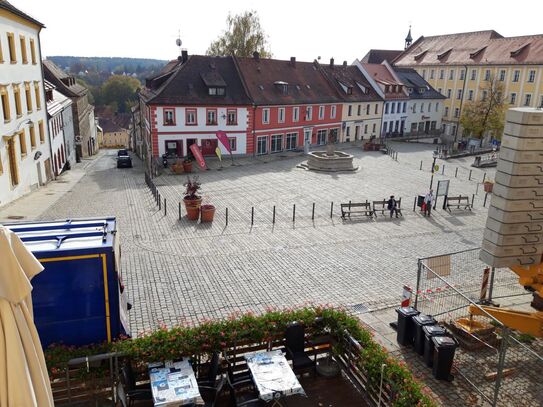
(437, 106)
(541, 102)
(393, 108)
(262, 145)
(321, 137)
(376, 108)
(359, 111)
(28, 97)
(22, 143)
(281, 115)
(333, 112)
(386, 108)
(487, 75)
(414, 108)
(456, 112)
(173, 148)
(5, 103)
(484, 95)
(350, 110)
(439, 90)
(462, 74)
(296, 113)
(216, 91)
(451, 74)
(531, 76)
(516, 76)
(321, 112)
(232, 117)
(449, 92)
(446, 111)
(11, 48)
(528, 99)
(41, 131)
(290, 141)
(367, 109)
(13, 172)
(473, 74)
(232, 141)
(169, 117)
(265, 116)
(513, 98)
(37, 95)
(385, 127)
(33, 51)
(431, 74)
(373, 128)
(356, 132)
(502, 75)
(211, 116)
(422, 107)
(424, 74)
(32, 131)
(442, 74)
(17, 96)
(24, 57)
(470, 94)
(459, 94)
(365, 129)
(191, 118)
(308, 113)
(348, 133)
(1, 61)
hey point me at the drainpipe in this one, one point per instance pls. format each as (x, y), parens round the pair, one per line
(44, 99)
(461, 101)
(254, 132)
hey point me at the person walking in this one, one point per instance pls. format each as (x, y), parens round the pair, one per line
(428, 201)
(392, 206)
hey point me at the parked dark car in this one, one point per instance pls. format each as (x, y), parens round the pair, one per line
(123, 159)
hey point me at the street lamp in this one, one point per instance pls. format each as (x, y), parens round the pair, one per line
(435, 154)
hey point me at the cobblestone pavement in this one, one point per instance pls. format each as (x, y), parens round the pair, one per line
(176, 270)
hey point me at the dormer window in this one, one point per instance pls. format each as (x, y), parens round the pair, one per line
(349, 90)
(212, 91)
(421, 90)
(387, 88)
(410, 90)
(282, 86)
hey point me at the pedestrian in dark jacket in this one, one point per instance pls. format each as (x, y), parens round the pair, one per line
(392, 206)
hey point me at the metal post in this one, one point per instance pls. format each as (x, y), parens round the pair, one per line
(419, 273)
(443, 170)
(165, 208)
(313, 212)
(415, 204)
(331, 209)
(456, 173)
(491, 285)
(484, 177)
(484, 203)
(273, 218)
(470, 174)
(226, 216)
(294, 212)
(501, 362)
(420, 165)
(252, 215)
(159, 202)
(433, 167)
(179, 210)
(472, 199)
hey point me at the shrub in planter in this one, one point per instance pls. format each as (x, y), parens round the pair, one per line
(207, 212)
(187, 165)
(191, 198)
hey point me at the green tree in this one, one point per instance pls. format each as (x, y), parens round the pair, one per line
(485, 116)
(120, 91)
(243, 36)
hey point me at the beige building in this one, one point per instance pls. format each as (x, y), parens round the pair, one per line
(112, 135)
(459, 66)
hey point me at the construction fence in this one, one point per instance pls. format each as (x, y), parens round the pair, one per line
(502, 365)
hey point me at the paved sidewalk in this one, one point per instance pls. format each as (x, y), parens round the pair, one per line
(32, 205)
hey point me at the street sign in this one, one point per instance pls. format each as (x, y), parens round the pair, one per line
(442, 188)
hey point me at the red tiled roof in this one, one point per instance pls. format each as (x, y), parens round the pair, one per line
(305, 83)
(376, 56)
(473, 48)
(381, 74)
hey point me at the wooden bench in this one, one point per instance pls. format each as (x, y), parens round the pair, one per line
(356, 207)
(382, 206)
(458, 202)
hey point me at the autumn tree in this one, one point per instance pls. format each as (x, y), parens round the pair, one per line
(486, 115)
(120, 92)
(243, 36)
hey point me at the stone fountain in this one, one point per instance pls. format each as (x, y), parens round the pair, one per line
(329, 160)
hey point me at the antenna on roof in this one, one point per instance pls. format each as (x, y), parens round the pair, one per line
(178, 41)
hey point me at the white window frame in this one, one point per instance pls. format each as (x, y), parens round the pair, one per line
(527, 99)
(309, 113)
(258, 139)
(295, 114)
(321, 112)
(502, 74)
(516, 75)
(512, 98)
(281, 115)
(288, 141)
(333, 112)
(531, 76)
(273, 138)
(266, 116)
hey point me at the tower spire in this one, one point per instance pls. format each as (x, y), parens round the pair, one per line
(408, 39)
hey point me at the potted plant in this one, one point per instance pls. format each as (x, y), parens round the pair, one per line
(187, 162)
(177, 167)
(488, 185)
(208, 212)
(191, 198)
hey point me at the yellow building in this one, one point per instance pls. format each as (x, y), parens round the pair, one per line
(457, 65)
(112, 135)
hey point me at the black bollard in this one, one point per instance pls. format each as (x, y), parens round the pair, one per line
(273, 216)
(313, 212)
(456, 173)
(179, 210)
(165, 207)
(294, 212)
(331, 209)
(226, 216)
(252, 215)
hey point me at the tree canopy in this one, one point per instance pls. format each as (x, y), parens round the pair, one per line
(486, 115)
(243, 36)
(120, 91)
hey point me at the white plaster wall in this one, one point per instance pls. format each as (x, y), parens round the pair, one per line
(416, 116)
(201, 119)
(20, 73)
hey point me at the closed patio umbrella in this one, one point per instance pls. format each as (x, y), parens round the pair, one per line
(23, 374)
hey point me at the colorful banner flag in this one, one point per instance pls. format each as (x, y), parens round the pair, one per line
(221, 135)
(198, 156)
(218, 152)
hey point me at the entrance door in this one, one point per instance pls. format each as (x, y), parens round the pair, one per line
(47, 165)
(427, 127)
(307, 140)
(40, 176)
(209, 146)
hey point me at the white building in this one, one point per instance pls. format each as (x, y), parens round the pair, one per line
(24, 142)
(59, 111)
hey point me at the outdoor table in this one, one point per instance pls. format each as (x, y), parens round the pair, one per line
(273, 376)
(174, 384)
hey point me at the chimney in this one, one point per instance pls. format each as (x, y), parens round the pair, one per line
(331, 62)
(184, 55)
(344, 64)
(256, 56)
(293, 61)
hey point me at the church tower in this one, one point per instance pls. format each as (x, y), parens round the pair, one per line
(408, 39)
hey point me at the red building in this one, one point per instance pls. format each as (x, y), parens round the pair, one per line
(293, 104)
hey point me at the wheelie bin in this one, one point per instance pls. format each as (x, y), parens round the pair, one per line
(420, 321)
(431, 331)
(444, 349)
(406, 328)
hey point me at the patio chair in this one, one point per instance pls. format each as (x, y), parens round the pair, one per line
(210, 394)
(211, 378)
(234, 376)
(295, 344)
(129, 389)
(243, 393)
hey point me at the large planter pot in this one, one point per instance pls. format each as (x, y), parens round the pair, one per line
(177, 168)
(192, 206)
(207, 213)
(187, 166)
(488, 186)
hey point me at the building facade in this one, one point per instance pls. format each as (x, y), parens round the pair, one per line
(362, 109)
(112, 135)
(461, 65)
(25, 152)
(60, 128)
(294, 104)
(82, 110)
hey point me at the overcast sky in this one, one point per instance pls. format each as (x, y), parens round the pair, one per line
(306, 29)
